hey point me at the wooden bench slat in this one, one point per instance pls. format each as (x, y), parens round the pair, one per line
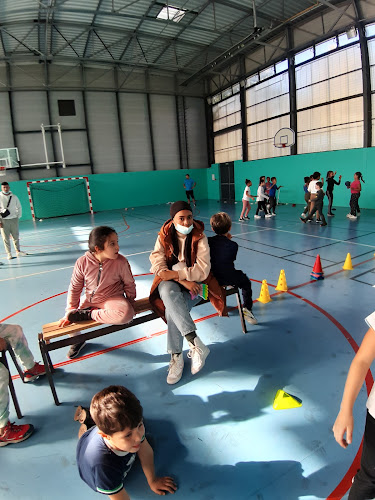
(52, 330)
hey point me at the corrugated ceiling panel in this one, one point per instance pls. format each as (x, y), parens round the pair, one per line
(71, 15)
(160, 28)
(76, 36)
(138, 8)
(199, 37)
(217, 17)
(127, 23)
(18, 11)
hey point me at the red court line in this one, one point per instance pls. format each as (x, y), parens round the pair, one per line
(345, 483)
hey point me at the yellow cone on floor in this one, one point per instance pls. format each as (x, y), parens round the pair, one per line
(264, 296)
(281, 284)
(284, 401)
(348, 263)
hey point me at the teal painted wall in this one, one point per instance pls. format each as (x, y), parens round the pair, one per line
(131, 189)
(290, 171)
(213, 186)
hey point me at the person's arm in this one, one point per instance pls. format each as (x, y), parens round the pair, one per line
(121, 495)
(202, 266)
(339, 181)
(128, 281)
(3, 344)
(194, 185)
(357, 373)
(18, 207)
(278, 187)
(159, 485)
(192, 286)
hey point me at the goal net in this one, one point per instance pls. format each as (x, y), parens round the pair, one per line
(58, 197)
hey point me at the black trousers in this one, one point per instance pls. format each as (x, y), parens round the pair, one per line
(272, 202)
(364, 482)
(262, 205)
(354, 206)
(239, 279)
(330, 201)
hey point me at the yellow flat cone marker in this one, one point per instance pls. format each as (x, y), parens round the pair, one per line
(348, 263)
(264, 296)
(281, 284)
(284, 401)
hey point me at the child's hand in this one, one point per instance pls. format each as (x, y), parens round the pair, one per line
(160, 485)
(344, 424)
(63, 322)
(340, 176)
(192, 286)
(229, 236)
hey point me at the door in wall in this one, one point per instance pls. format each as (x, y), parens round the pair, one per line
(227, 181)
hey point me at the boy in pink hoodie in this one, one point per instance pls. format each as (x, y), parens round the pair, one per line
(106, 276)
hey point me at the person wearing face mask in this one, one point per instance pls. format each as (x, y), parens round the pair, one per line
(10, 212)
(180, 262)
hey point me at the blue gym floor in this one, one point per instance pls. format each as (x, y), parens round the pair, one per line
(216, 432)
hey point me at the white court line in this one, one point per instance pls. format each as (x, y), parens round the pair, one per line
(61, 269)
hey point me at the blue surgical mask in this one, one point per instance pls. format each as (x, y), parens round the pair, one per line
(183, 229)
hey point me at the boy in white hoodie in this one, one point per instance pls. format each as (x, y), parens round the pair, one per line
(261, 199)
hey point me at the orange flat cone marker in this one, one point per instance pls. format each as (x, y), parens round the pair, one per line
(281, 284)
(348, 263)
(318, 266)
(285, 401)
(264, 296)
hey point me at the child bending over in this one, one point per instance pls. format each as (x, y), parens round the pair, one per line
(106, 452)
(106, 276)
(223, 254)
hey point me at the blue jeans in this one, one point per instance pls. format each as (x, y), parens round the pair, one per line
(178, 303)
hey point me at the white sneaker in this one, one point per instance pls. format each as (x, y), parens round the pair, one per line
(348, 215)
(303, 214)
(176, 367)
(256, 216)
(268, 216)
(9, 256)
(241, 219)
(198, 354)
(273, 215)
(21, 254)
(249, 316)
(352, 217)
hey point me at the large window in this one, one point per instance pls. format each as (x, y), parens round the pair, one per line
(227, 113)
(330, 102)
(267, 112)
(228, 146)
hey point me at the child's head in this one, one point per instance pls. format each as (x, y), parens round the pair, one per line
(273, 180)
(319, 185)
(119, 417)
(329, 174)
(262, 181)
(306, 179)
(358, 176)
(248, 182)
(262, 178)
(187, 176)
(221, 223)
(103, 240)
(316, 175)
(268, 179)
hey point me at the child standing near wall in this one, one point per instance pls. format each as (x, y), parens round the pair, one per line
(246, 201)
(355, 190)
(307, 181)
(106, 274)
(318, 205)
(272, 195)
(261, 199)
(329, 192)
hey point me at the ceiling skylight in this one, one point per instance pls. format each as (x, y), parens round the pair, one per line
(171, 14)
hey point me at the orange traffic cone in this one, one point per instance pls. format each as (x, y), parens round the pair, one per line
(264, 296)
(281, 284)
(317, 273)
(348, 266)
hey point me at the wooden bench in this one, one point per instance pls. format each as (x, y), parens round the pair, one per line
(52, 331)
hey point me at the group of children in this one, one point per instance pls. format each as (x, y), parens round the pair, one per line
(266, 198)
(314, 196)
(112, 431)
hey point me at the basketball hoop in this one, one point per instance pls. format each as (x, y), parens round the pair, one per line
(285, 137)
(280, 145)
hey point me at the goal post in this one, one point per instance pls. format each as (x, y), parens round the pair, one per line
(59, 197)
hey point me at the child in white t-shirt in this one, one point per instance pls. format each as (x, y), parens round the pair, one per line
(261, 199)
(364, 481)
(246, 201)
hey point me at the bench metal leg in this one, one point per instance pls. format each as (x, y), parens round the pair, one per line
(47, 365)
(11, 386)
(240, 311)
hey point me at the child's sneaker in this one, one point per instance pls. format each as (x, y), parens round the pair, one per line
(36, 371)
(75, 349)
(267, 216)
(198, 354)
(21, 254)
(246, 217)
(304, 220)
(273, 215)
(303, 214)
(256, 216)
(78, 315)
(82, 415)
(318, 221)
(15, 433)
(249, 316)
(241, 219)
(352, 217)
(176, 367)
